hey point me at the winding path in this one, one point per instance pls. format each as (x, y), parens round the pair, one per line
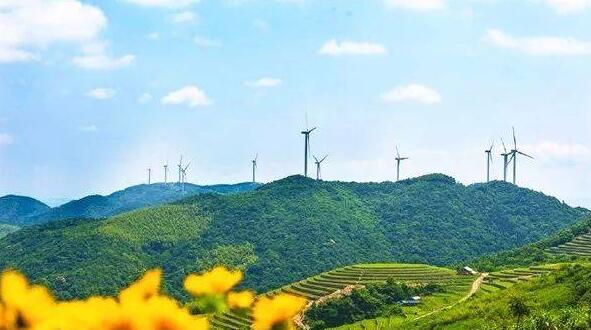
(475, 287)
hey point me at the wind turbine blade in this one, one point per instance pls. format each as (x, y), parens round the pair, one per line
(312, 130)
(504, 147)
(316, 159)
(524, 154)
(514, 139)
(323, 158)
(397, 153)
(186, 167)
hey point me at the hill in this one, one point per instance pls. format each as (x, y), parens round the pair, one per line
(331, 285)
(569, 244)
(287, 230)
(132, 198)
(559, 300)
(13, 208)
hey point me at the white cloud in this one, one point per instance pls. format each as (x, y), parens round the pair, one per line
(144, 98)
(30, 26)
(539, 45)
(88, 128)
(6, 139)
(184, 17)
(103, 62)
(412, 93)
(334, 48)
(191, 96)
(264, 82)
(101, 93)
(568, 6)
(417, 5)
(205, 42)
(153, 36)
(557, 150)
(96, 58)
(163, 3)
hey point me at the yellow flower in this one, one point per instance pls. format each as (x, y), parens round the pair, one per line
(278, 311)
(144, 288)
(166, 314)
(217, 281)
(240, 300)
(23, 303)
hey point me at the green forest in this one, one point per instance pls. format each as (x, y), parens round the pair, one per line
(287, 230)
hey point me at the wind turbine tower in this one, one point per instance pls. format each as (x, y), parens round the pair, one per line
(306, 148)
(184, 176)
(149, 175)
(398, 160)
(254, 168)
(318, 163)
(514, 154)
(489, 160)
(180, 166)
(165, 173)
(506, 160)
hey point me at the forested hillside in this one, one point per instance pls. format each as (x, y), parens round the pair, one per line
(287, 230)
(541, 252)
(13, 208)
(132, 198)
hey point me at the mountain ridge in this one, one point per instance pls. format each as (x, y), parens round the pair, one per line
(128, 199)
(285, 230)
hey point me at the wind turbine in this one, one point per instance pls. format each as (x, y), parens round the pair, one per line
(149, 175)
(506, 160)
(254, 168)
(306, 148)
(514, 154)
(180, 166)
(489, 160)
(398, 160)
(166, 173)
(318, 163)
(184, 176)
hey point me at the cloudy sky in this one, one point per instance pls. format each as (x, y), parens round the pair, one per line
(92, 93)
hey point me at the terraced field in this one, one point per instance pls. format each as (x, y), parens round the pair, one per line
(580, 246)
(503, 279)
(330, 282)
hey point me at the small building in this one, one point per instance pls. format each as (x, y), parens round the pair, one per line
(467, 271)
(413, 301)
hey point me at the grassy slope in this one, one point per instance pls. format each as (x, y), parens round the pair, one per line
(550, 296)
(285, 231)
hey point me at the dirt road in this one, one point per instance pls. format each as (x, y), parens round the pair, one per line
(475, 287)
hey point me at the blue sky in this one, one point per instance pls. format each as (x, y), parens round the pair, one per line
(92, 93)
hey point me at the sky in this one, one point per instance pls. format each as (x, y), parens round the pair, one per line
(93, 93)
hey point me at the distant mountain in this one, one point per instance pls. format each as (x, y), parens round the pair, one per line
(13, 208)
(286, 230)
(135, 197)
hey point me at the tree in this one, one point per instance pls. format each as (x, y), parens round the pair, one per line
(518, 308)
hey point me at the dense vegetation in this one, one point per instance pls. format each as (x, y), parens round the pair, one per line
(285, 231)
(535, 253)
(7, 229)
(14, 208)
(371, 301)
(132, 198)
(560, 300)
